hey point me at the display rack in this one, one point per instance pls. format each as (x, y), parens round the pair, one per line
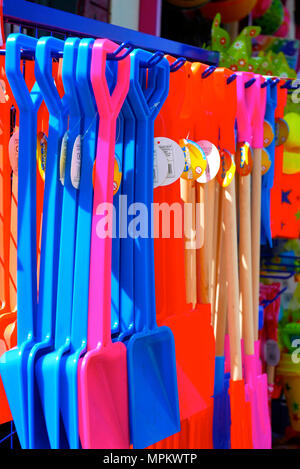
(41, 18)
(28, 14)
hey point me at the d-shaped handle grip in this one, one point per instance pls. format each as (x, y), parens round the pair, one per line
(46, 46)
(83, 77)
(109, 104)
(146, 105)
(14, 45)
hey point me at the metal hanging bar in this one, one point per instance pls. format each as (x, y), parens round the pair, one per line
(34, 16)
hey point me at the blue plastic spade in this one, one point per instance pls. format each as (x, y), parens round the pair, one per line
(44, 338)
(221, 417)
(268, 178)
(127, 191)
(152, 380)
(115, 259)
(13, 364)
(48, 366)
(127, 242)
(69, 362)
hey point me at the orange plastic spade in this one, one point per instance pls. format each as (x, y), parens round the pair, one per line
(169, 253)
(194, 341)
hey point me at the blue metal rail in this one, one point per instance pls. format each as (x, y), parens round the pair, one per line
(39, 16)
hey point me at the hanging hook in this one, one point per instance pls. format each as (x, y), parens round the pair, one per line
(266, 303)
(154, 60)
(266, 83)
(231, 78)
(250, 82)
(286, 84)
(177, 64)
(208, 71)
(128, 49)
(275, 82)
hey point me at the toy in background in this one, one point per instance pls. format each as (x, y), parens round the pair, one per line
(270, 299)
(231, 10)
(273, 17)
(283, 263)
(187, 3)
(287, 47)
(288, 370)
(238, 55)
(269, 15)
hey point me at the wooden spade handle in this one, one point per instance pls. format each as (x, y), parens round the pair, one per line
(255, 234)
(216, 236)
(245, 262)
(209, 231)
(220, 300)
(231, 256)
(188, 195)
(205, 194)
(201, 255)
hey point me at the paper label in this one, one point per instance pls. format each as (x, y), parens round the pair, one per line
(243, 159)
(213, 161)
(117, 174)
(63, 157)
(160, 166)
(195, 160)
(174, 157)
(76, 162)
(265, 161)
(282, 131)
(41, 153)
(227, 169)
(268, 134)
(13, 150)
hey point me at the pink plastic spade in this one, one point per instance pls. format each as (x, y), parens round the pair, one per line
(102, 372)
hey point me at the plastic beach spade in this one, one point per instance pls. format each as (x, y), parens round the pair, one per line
(152, 381)
(44, 335)
(69, 364)
(13, 364)
(48, 366)
(102, 372)
(126, 242)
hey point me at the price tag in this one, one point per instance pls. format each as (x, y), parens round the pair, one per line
(41, 153)
(265, 161)
(195, 160)
(268, 134)
(213, 161)
(282, 131)
(244, 159)
(63, 157)
(76, 162)
(175, 159)
(161, 170)
(227, 169)
(13, 150)
(117, 174)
